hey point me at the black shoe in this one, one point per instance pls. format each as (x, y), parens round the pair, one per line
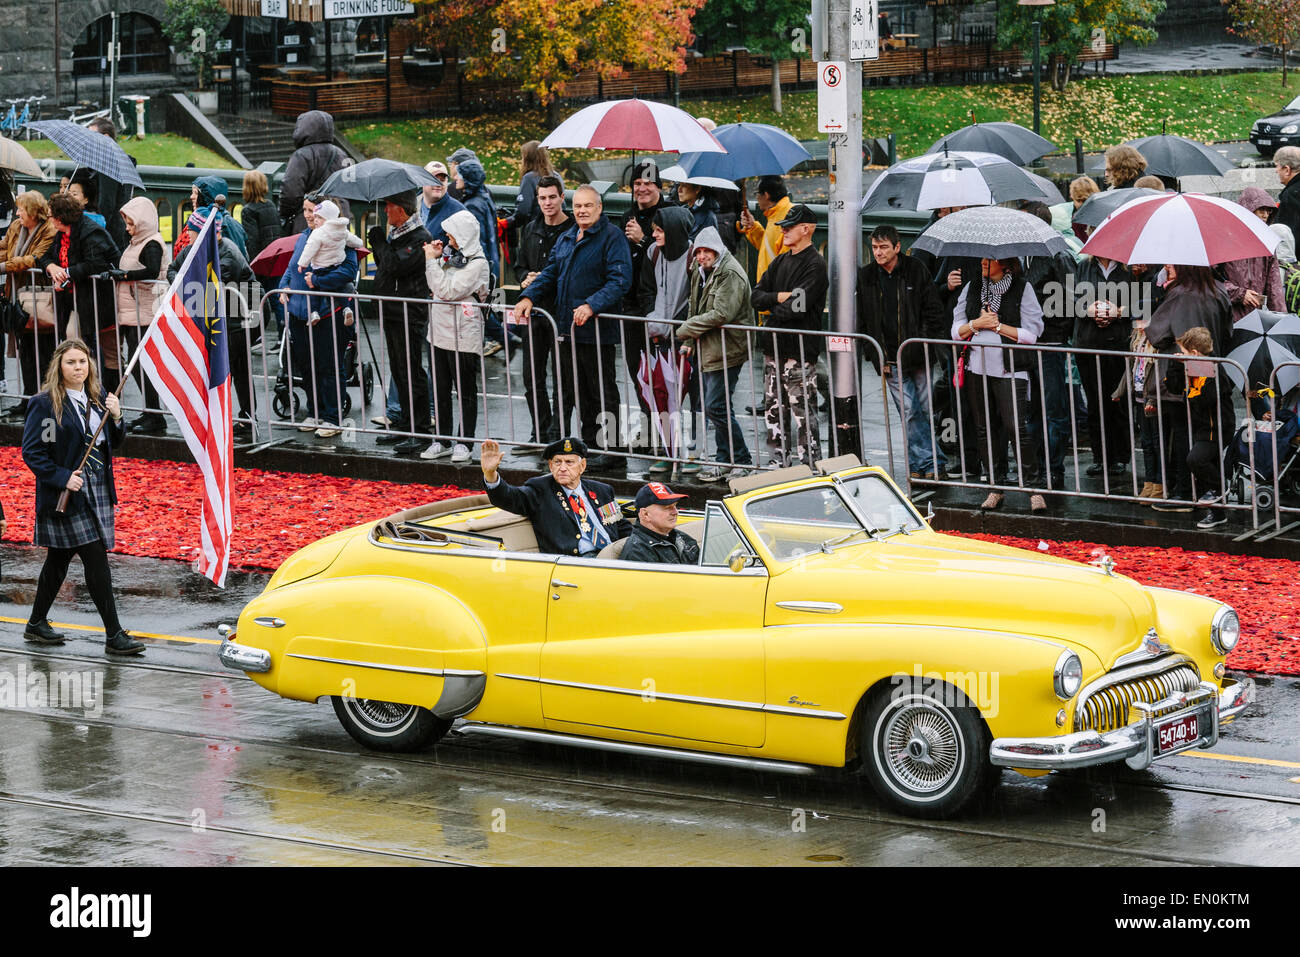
(409, 446)
(1163, 505)
(149, 425)
(388, 438)
(242, 430)
(1212, 518)
(40, 633)
(1116, 468)
(1095, 469)
(607, 463)
(123, 644)
(17, 414)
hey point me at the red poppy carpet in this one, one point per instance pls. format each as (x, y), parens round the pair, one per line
(277, 513)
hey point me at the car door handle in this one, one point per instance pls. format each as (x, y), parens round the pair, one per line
(556, 583)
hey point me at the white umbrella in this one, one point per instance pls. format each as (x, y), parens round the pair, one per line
(634, 125)
(679, 175)
(955, 178)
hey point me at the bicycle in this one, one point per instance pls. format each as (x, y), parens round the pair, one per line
(11, 124)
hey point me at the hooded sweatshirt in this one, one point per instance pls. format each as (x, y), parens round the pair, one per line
(664, 280)
(144, 259)
(314, 158)
(718, 296)
(459, 276)
(478, 201)
(460, 156)
(1260, 274)
(210, 188)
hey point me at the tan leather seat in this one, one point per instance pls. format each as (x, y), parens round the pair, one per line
(613, 550)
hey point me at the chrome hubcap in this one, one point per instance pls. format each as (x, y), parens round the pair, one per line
(381, 715)
(922, 747)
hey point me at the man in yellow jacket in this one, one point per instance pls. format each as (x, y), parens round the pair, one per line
(774, 204)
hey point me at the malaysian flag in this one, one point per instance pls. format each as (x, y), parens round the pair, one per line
(185, 355)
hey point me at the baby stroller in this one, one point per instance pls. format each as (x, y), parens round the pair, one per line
(286, 401)
(1245, 483)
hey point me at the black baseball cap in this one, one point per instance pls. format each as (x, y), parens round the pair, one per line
(799, 213)
(565, 446)
(656, 493)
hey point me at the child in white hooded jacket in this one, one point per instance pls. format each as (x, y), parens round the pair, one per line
(328, 246)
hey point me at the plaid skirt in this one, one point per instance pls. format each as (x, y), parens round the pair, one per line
(82, 525)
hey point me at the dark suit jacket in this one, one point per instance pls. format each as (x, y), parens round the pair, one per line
(54, 462)
(547, 506)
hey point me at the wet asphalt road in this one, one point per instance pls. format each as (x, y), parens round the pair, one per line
(178, 761)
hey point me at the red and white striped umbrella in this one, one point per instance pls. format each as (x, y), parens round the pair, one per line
(640, 125)
(1181, 228)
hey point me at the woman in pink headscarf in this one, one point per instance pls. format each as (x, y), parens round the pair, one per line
(1253, 282)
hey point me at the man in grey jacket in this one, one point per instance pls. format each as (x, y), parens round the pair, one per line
(719, 296)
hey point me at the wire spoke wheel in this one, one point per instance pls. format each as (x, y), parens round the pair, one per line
(387, 725)
(924, 748)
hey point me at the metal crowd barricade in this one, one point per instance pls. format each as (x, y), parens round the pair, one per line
(1285, 462)
(404, 324)
(1166, 433)
(654, 438)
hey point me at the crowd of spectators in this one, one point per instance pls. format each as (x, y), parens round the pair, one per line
(675, 259)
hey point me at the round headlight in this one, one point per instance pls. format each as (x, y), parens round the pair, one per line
(1067, 676)
(1225, 630)
(1291, 129)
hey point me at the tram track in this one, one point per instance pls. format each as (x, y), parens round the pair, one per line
(468, 759)
(76, 807)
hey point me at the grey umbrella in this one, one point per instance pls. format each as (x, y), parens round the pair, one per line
(375, 179)
(954, 179)
(90, 149)
(1004, 139)
(991, 232)
(1100, 205)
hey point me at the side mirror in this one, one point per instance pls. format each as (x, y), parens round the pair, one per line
(738, 561)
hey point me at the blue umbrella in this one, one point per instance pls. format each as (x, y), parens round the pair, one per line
(90, 149)
(753, 149)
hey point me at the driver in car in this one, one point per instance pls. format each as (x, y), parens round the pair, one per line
(570, 515)
(656, 538)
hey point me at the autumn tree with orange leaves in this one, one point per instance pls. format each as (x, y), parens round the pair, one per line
(543, 44)
(1274, 23)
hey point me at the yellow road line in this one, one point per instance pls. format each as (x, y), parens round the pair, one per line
(1240, 759)
(137, 634)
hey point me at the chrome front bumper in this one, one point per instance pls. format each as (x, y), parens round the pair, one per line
(1135, 744)
(242, 657)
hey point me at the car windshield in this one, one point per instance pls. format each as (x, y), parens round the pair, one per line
(800, 522)
(880, 505)
(1293, 106)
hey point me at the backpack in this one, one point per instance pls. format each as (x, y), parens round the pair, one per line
(1290, 285)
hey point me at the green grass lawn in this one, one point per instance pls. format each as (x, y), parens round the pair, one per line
(1102, 110)
(162, 149)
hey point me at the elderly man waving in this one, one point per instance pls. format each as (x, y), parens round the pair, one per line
(570, 515)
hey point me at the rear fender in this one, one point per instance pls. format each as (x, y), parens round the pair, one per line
(387, 639)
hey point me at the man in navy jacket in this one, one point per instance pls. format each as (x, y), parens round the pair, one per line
(589, 273)
(570, 515)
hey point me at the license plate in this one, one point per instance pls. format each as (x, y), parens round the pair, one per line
(1264, 142)
(1180, 732)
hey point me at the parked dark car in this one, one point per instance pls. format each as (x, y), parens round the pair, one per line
(1271, 133)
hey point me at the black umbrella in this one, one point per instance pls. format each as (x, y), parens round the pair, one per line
(1177, 156)
(1261, 341)
(1010, 140)
(1100, 205)
(375, 179)
(991, 232)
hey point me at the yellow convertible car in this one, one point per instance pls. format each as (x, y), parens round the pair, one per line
(825, 625)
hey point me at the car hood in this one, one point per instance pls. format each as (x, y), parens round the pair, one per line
(943, 581)
(1280, 118)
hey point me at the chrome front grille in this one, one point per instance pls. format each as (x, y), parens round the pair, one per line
(1105, 706)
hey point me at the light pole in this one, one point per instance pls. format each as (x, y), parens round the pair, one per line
(1038, 29)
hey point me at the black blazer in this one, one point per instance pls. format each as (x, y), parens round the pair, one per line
(547, 506)
(53, 462)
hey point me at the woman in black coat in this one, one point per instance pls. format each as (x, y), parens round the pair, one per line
(81, 250)
(61, 421)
